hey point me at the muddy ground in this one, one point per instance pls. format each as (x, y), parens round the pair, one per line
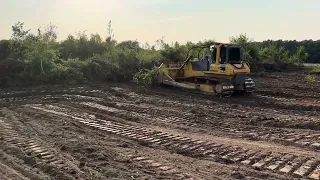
(120, 131)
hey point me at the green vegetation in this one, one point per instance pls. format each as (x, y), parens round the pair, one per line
(314, 68)
(30, 59)
(311, 78)
(145, 76)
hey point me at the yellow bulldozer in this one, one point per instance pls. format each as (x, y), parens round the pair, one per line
(221, 71)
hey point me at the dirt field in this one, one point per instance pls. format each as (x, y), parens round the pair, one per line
(124, 132)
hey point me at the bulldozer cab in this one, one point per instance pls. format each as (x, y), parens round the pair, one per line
(202, 64)
(223, 53)
(220, 54)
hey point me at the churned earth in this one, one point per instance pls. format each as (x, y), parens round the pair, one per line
(121, 131)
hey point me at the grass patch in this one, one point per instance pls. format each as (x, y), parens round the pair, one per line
(312, 67)
(311, 78)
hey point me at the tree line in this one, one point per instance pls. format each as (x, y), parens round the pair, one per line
(38, 58)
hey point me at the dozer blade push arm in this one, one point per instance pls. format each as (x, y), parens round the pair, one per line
(185, 62)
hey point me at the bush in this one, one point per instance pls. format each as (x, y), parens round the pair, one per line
(311, 78)
(145, 76)
(39, 59)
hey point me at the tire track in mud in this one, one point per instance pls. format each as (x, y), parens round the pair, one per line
(289, 94)
(255, 116)
(301, 104)
(238, 107)
(34, 149)
(272, 116)
(158, 168)
(266, 120)
(280, 163)
(98, 93)
(306, 139)
(265, 100)
(260, 108)
(167, 170)
(114, 93)
(49, 97)
(9, 173)
(149, 163)
(39, 95)
(50, 90)
(288, 100)
(103, 92)
(287, 85)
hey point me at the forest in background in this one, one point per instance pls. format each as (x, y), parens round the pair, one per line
(30, 59)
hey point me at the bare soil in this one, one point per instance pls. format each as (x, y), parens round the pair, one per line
(121, 131)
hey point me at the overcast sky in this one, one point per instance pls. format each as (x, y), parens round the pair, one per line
(177, 20)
